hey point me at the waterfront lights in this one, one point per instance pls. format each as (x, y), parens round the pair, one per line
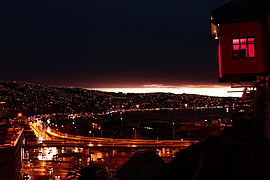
(41, 139)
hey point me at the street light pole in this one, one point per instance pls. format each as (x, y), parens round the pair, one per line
(90, 132)
(173, 131)
(100, 131)
(121, 124)
(134, 132)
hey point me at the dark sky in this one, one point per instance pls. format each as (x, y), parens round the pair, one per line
(108, 43)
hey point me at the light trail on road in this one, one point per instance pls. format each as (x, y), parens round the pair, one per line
(67, 140)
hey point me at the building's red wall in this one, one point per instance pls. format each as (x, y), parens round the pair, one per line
(242, 66)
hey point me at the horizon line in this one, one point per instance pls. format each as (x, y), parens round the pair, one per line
(214, 91)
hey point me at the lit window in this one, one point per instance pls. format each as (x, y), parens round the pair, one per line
(244, 47)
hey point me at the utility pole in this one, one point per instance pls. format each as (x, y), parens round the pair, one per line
(173, 131)
(134, 129)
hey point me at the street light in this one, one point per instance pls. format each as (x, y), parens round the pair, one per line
(121, 123)
(173, 131)
(90, 132)
(19, 115)
(100, 131)
(134, 129)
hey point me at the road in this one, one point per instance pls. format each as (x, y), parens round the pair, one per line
(48, 157)
(52, 138)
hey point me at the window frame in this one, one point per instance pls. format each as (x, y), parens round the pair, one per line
(247, 49)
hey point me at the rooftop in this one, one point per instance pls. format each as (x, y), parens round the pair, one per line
(245, 10)
(9, 136)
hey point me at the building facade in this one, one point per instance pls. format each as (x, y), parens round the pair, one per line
(242, 31)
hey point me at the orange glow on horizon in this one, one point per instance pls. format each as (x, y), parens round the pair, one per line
(209, 90)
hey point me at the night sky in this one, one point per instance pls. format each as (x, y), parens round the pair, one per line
(108, 43)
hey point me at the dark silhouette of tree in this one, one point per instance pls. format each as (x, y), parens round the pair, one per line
(92, 172)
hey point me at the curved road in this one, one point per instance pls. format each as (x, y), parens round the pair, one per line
(50, 137)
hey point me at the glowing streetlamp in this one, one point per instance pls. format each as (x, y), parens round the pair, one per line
(19, 117)
(121, 123)
(90, 132)
(134, 129)
(100, 131)
(173, 131)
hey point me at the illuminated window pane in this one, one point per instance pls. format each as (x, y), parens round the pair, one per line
(236, 47)
(243, 41)
(235, 41)
(251, 50)
(243, 46)
(251, 40)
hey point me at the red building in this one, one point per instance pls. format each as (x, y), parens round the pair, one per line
(242, 31)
